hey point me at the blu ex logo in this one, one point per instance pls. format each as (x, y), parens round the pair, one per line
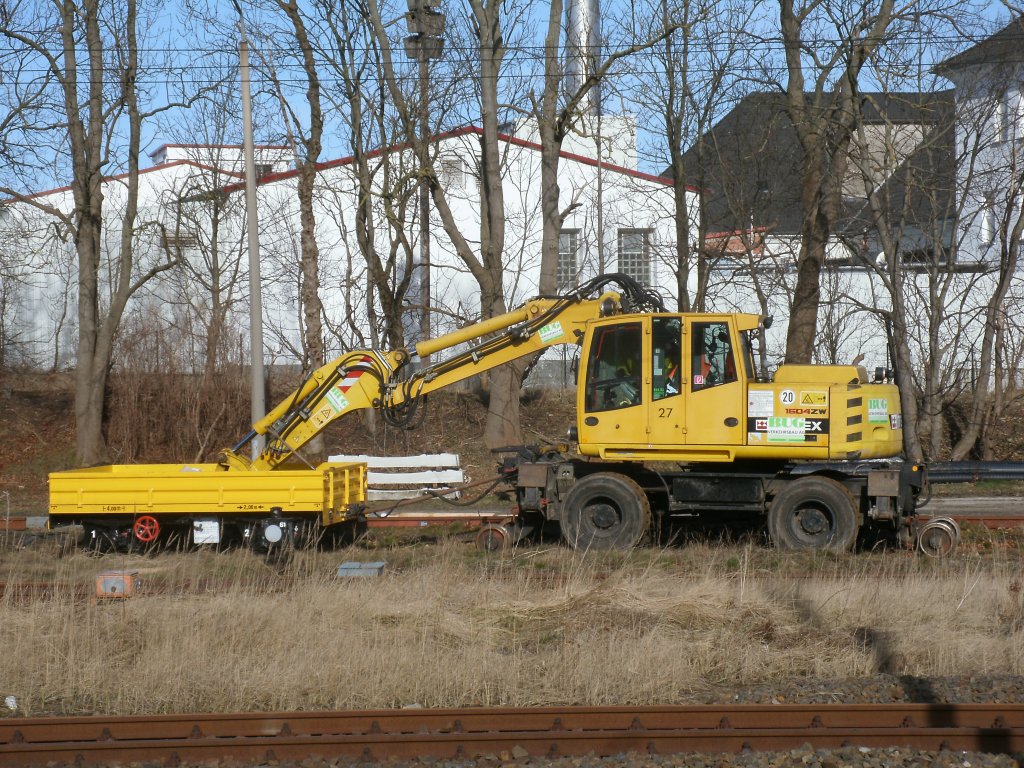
(811, 426)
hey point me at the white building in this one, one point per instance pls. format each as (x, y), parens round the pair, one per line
(989, 82)
(192, 207)
(38, 272)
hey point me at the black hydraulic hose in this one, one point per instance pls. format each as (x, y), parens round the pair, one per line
(441, 496)
(466, 502)
(402, 414)
(922, 501)
(642, 298)
(242, 443)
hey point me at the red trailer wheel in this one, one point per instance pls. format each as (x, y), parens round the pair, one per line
(146, 529)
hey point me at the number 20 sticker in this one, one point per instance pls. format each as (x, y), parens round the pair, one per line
(787, 397)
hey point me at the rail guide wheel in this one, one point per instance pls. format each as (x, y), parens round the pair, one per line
(938, 537)
(493, 538)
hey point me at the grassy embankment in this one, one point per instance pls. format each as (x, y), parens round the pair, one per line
(447, 625)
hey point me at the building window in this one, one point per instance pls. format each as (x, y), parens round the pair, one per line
(179, 241)
(635, 254)
(1007, 116)
(568, 247)
(988, 219)
(451, 173)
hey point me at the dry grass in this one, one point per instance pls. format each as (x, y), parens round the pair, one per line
(449, 626)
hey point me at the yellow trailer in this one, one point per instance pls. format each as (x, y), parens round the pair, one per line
(203, 502)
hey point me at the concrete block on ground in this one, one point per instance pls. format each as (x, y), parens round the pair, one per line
(351, 568)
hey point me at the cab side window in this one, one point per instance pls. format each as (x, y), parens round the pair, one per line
(665, 358)
(614, 368)
(713, 361)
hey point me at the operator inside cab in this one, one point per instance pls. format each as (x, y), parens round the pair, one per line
(615, 367)
(668, 376)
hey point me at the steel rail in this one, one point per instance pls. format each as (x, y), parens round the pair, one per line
(974, 471)
(990, 521)
(548, 731)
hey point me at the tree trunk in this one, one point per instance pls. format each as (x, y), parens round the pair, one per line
(90, 370)
(312, 307)
(824, 123)
(309, 258)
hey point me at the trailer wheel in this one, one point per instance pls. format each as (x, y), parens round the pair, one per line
(605, 511)
(814, 513)
(146, 529)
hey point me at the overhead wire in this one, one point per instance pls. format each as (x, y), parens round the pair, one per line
(756, 45)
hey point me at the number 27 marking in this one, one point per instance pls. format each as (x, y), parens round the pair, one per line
(664, 413)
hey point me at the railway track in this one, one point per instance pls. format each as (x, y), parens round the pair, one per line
(19, 592)
(380, 735)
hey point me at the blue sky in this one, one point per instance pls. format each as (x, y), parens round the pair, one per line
(184, 52)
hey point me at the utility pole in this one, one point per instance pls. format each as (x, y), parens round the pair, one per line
(425, 42)
(259, 404)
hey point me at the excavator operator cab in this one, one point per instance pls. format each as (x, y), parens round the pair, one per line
(651, 385)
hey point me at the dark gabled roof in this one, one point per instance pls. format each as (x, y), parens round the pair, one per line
(1002, 47)
(753, 159)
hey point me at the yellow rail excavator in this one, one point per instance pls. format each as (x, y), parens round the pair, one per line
(672, 420)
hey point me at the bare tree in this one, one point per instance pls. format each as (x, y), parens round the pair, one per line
(697, 69)
(210, 251)
(90, 109)
(484, 70)
(384, 181)
(308, 144)
(562, 106)
(824, 117)
(939, 301)
(909, 204)
(1010, 231)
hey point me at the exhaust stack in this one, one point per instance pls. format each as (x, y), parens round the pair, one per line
(583, 35)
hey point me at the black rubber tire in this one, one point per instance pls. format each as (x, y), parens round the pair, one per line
(606, 510)
(814, 513)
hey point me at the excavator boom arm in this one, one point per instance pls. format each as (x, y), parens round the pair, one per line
(372, 379)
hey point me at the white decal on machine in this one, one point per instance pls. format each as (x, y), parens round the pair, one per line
(760, 403)
(782, 429)
(878, 410)
(550, 331)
